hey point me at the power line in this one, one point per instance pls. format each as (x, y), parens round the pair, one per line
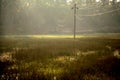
(89, 15)
(97, 6)
(98, 14)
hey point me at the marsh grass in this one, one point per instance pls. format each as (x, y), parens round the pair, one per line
(60, 59)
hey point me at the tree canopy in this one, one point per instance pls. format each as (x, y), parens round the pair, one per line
(56, 16)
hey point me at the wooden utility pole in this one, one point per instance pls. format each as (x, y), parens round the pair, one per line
(75, 10)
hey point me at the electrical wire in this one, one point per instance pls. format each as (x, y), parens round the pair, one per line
(98, 14)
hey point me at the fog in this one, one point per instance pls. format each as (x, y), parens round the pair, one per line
(33, 17)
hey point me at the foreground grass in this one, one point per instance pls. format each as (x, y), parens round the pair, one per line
(60, 59)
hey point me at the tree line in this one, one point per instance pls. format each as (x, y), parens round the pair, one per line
(53, 16)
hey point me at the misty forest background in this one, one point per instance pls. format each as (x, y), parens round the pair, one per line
(56, 16)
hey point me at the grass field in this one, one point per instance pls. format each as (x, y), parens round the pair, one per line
(59, 58)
